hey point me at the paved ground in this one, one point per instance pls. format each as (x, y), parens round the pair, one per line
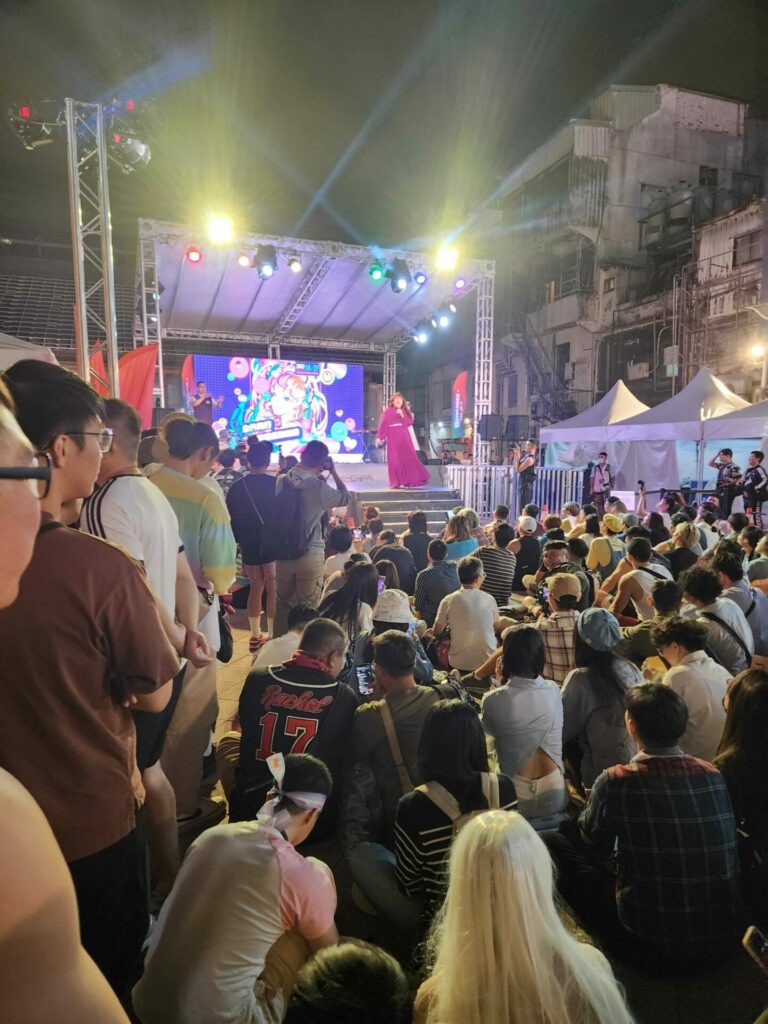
(737, 994)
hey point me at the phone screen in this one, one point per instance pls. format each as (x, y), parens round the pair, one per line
(381, 583)
(545, 592)
(365, 680)
(357, 534)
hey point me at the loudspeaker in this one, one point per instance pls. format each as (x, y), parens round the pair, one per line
(489, 426)
(517, 428)
(159, 414)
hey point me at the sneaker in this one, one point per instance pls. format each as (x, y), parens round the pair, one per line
(256, 643)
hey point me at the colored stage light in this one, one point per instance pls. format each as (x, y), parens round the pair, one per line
(460, 284)
(130, 105)
(193, 254)
(25, 112)
(419, 278)
(452, 307)
(117, 138)
(447, 257)
(244, 260)
(220, 229)
(294, 264)
(376, 271)
(443, 317)
(421, 332)
(399, 275)
(265, 261)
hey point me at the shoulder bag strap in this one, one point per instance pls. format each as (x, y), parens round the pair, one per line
(253, 503)
(657, 575)
(397, 755)
(491, 790)
(716, 618)
(441, 798)
(752, 605)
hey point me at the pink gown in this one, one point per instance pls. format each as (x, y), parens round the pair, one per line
(403, 464)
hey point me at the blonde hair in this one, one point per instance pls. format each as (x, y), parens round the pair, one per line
(525, 965)
(457, 528)
(687, 534)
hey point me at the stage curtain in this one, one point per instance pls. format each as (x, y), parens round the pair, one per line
(99, 374)
(137, 380)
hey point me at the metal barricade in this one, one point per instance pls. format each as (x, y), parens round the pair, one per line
(484, 486)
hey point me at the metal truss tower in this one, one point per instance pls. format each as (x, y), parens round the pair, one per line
(481, 450)
(95, 323)
(147, 330)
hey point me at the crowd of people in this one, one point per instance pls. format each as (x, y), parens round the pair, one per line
(493, 724)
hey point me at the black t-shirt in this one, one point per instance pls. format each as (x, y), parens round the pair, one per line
(417, 544)
(528, 560)
(403, 561)
(204, 411)
(248, 499)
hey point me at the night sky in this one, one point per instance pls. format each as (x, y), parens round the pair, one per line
(363, 120)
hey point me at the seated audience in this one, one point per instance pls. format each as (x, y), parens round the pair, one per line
(606, 551)
(570, 515)
(635, 585)
(757, 568)
(753, 602)
(553, 529)
(337, 579)
(385, 741)
(440, 578)
(748, 539)
(352, 983)
(230, 951)
(458, 537)
(500, 871)
(527, 551)
(664, 821)
(351, 605)
(499, 564)
(341, 545)
(500, 516)
(281, 648)
(683, 550)
(471, 615)
(400, 556)
(656, 525)
(742, 758)
(533, 511)
(524, 717)
(388, 573)
(454, 762)
(371, 539)
(698, 679)
(578, 550)
(729, 638)
(391, 611)
(707, 523)
(635, 644)
(556, 558)
(416, 539)
(473, 521)
(592, 529)
(594, 695)
(556, 628)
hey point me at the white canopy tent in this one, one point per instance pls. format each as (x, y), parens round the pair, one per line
(12, 350)
(750, 422)
(616, 405)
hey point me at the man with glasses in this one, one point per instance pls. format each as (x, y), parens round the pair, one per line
(81, 644)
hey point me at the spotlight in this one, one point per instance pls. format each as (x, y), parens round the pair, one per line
(376, 271)
(128, 152)
(421, 332)
(452, 307)
(193, 254)
(399, 275)
(294, 264)
(460, 284)
(31, 124)
(220, 229)
(244, 260)
(265, 261)
(447, 257)
(443, 316)
(419, 278)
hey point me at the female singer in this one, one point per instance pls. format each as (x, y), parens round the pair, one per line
(403, 464)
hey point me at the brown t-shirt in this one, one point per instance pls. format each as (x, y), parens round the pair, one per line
(83, 633)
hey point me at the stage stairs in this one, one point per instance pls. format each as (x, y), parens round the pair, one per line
(395, 505)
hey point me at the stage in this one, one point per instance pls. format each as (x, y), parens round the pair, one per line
(368, 484)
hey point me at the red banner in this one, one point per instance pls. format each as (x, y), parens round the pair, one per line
(137, 380)
(99, 377)
(458, 404)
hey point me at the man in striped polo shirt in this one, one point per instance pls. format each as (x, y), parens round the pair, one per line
(499, 564)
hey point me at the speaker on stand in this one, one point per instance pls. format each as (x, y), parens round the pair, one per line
(159, 414)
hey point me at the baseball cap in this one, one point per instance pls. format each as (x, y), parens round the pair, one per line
(527, 524)
(392, 606)
(599, 628)
(613, 523)
(563, 583)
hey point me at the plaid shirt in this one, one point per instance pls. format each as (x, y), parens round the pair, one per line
(557, 634)
(667, 821)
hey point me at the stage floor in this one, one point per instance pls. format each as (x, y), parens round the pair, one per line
(372, 476)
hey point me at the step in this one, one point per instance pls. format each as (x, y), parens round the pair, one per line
(432, 494)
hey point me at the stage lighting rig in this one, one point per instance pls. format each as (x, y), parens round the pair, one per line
(220, 229)
(442, 317)
(420, 278)
(422, 332)
(399, 275)
(460, 284)
(447, 257)
(376, 271)
(244, 260)
(35, 124)
(125, 135)
(294, 264)
(193, 254)
(265, 261)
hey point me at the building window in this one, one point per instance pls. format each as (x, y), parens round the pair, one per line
(747, 248)
(609, 284)
(512, 387)
(708, 177)
(446, 396)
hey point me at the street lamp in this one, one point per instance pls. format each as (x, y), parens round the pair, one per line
(761, 351)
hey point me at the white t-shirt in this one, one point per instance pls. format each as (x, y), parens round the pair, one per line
(130, 511)
(702, 683)
(471, 616)
(277, 650)
(335, 563)
(241, 886)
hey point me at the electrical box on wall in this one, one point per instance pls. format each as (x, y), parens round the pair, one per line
(637, 371)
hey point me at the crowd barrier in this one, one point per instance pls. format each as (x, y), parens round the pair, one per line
(483, 487)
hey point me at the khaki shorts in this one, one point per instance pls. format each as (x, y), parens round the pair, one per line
(261, 573)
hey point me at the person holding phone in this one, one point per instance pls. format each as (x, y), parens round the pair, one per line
(395, 428)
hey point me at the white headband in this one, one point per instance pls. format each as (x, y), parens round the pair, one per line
(280, 820)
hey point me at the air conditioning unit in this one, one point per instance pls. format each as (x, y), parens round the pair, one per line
(638, 371)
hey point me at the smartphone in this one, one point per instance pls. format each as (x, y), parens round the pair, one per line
(411, 628)
(357, 533)
(381, 583)
(545, 593)
(756, 944)
(365, 680)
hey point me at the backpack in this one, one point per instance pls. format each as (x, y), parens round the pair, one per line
(441, 798)
(284, 532)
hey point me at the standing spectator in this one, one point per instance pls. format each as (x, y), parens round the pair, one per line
(527, 551)
(556, 628)
(209, 544)
(340, 542)
(743, 760)
(250, 501)
(275, 908)
(471, 615)
(385, 741)
(296, 704)
(500, 515)
(226, 475)
(458, 536)
(281, 648)
(524, 717)
(594, 696)
(65, 731)
(416, 538)
(607, 551)
(300, 579)
(500, 871)
(698, 679)
(729, 637)
(499, 565)
(400, 556)
(665, 821)
(728, 473)
(454, 762)
(754, 485)
(439, 579)
(525, 466)
(635, 586)
(752, 602)
(601, 480)
(371, 539)
(635, 644)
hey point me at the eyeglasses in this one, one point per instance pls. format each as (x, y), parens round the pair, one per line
(103, 437)
(37, 476)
